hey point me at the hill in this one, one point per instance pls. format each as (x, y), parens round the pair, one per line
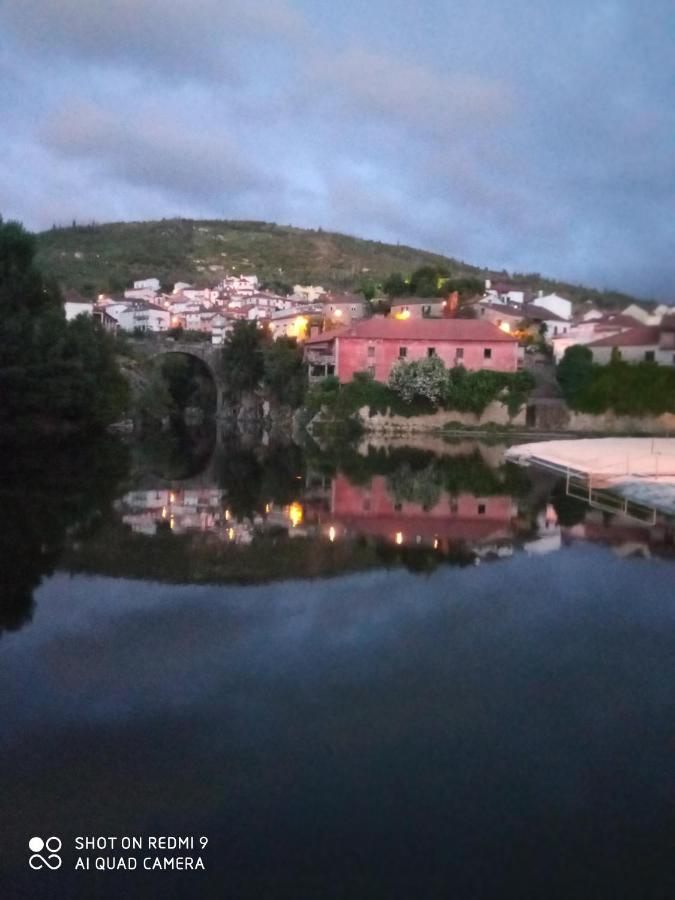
(108, 257)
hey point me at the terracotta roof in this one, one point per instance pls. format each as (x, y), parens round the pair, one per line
(416, 301)
(645, 336)
(326, 336)
(392, 329)
(531, 310)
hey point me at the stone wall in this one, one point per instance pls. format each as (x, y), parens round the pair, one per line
(495, 414)
(609, 423)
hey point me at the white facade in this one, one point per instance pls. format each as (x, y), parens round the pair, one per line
(307, 293)
(555, 304)
(151, 284)
(140, 294)
(141, 317)
(75, 308)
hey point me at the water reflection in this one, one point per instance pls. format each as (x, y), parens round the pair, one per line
(53, 498)
(343, 508)
(189, 511)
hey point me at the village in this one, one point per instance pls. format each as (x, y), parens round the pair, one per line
(342, 334)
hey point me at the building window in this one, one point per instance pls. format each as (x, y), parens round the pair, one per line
(459, 353)
(487, 353)
(371, 371)
(481, 509)
(371, 351)
(649, 356)
(402, 352)
(398, 507)
(431, 351)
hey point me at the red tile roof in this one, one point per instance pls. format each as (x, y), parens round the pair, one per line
(645, 336)
(393, 329)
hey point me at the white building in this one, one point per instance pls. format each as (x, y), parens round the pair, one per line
(307, 293)
(140, 316)
(151, 284)
(556, 304)
(75, 308)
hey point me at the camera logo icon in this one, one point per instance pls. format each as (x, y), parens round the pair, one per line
(51, 847)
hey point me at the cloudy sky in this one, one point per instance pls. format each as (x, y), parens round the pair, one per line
(520, 135)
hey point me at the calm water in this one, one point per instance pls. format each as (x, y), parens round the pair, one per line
(359, 673)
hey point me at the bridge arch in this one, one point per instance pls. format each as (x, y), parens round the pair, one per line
(207, 354)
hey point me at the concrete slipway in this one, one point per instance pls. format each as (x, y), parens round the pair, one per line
(641, 470)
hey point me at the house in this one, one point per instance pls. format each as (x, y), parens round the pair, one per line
(506, 316)
(105, 320)
(220, 326)
(307, 293)
(151, 284)
(418, 307)
(294, 322)
(645, 343)
(540, 315)
(341, 309)
(375, 345)
(501, 292)
(75, 308)
(554, 303)
(138, 315)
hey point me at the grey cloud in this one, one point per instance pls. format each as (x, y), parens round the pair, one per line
(197, 38)
(411, 93)
(144, 151)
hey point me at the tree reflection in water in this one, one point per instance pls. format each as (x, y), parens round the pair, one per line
(51, 496)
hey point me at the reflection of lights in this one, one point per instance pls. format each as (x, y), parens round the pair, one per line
(164, 512)
(295, 513)
(331, 533)
(171, 523)
(172, 498)
(399, 537)
(404, 314)
(227, 515)
(230, 533)
(267, 508)
(435, 543)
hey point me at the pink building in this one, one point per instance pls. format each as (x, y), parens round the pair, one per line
(375, 345)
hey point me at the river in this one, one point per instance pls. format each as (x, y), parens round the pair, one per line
(355, 672)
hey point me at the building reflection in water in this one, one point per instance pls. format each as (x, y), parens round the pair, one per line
(338, 508)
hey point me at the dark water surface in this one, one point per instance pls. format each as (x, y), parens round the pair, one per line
(395, 674)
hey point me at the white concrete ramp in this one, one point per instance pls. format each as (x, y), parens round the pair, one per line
(610, 460)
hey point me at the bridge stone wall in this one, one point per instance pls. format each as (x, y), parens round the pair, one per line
(205, 352)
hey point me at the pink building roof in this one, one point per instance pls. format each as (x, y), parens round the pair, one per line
(645, 336)
(392, 329)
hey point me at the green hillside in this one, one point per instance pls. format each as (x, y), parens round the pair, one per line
(99, 258)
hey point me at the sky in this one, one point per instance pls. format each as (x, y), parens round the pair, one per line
(531, 137)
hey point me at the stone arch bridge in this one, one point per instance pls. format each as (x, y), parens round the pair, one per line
(204, 351)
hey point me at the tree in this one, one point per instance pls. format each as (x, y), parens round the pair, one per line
(242, 358)
(52, 372)
(284, 371)
(575, 372)
(420, 378)
(395, 285)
